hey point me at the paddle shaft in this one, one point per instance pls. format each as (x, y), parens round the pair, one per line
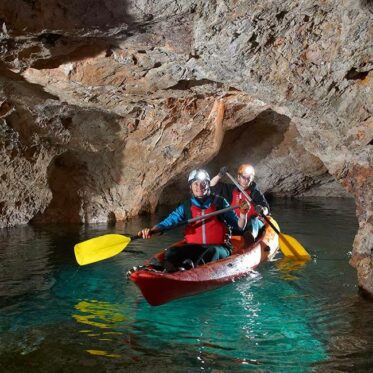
(251, 200)
(296, 248)
(104, 247)
(193, 220)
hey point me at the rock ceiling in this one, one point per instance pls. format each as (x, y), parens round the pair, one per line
(105, 104)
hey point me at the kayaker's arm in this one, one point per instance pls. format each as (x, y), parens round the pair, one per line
(175, 217)
(217, 177)
(232, 220)
(259, 200)
(214, 180)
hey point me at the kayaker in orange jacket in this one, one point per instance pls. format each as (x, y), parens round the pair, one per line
(205, 240)
(245, 177)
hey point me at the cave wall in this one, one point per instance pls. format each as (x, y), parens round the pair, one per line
(105, 104)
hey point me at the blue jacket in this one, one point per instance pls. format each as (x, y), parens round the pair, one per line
(178, 215)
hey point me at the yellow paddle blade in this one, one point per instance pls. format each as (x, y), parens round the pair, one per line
(100, 248)
(290, 247)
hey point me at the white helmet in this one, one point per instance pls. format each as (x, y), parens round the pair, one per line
(198, 174)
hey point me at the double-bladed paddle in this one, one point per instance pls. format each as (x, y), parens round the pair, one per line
(289, 246)
(109, 245)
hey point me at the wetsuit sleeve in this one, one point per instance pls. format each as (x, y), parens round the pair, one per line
(224, 190)
(175, 217)
(258, 198)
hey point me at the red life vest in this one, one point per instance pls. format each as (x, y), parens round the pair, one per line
(210, 232)
(236, 197)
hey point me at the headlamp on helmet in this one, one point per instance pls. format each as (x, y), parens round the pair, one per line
(198, 174)
(246, 170)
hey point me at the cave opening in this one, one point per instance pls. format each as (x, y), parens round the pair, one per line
(66, 178)
(250, 142)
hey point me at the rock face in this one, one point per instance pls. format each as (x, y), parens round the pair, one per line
(104, 105)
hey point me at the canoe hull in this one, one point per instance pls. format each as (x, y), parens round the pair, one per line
(161, 287)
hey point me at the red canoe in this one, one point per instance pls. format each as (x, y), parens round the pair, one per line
(162, 287)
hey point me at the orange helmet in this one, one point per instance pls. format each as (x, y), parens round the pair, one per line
(246, 170)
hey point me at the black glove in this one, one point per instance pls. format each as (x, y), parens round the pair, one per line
(260, 210)
(223, 171)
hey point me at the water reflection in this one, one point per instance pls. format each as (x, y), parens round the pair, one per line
(102, 315)
(350, 344)
(285, 317)
(24, 268)
(288, 267)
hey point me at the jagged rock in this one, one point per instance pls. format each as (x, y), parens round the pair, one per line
(104, 105)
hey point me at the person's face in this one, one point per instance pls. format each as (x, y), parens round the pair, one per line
(199, 188)
(245, 180)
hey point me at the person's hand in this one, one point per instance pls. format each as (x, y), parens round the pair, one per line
(145, 233)
(244, 206)
(223, 171)
(261, 210)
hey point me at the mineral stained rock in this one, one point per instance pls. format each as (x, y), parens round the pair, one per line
(104, 105)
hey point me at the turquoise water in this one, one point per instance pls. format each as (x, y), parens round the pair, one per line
(56, 316)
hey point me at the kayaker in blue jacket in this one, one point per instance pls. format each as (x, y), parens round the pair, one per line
(205, 240)
(245, 178)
